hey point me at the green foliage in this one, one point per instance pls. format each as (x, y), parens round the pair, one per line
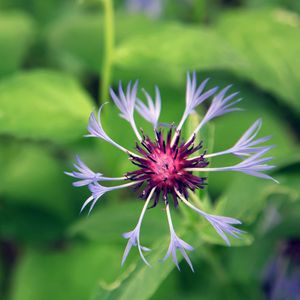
(136, 55)
(43, 105)
(70, 272)
(267, 40)
(16, 35)
(48, 250)
(34, 171)
(78, 40)
(119, 218)
(131, 283)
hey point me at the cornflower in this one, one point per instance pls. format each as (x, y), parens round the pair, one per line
(166, 165)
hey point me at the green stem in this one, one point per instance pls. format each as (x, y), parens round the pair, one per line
(109, 38)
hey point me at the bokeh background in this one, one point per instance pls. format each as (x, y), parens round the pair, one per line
(56, 62)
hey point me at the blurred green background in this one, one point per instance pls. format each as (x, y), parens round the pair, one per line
(56, 64)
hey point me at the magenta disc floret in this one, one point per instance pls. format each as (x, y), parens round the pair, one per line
(162, 166)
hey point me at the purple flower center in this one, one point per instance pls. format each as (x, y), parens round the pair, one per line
(163, 165)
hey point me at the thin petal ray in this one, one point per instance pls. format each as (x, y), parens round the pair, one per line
(151, 112)
(95, 129)
(126, 104)
(220, 223)
(177, 244)
(134, 235)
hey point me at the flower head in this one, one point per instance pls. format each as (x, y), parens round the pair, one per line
(166, 164)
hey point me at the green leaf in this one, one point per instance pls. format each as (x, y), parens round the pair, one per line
(130, 282)
(43, 105)
(16, 36)
(24, 227)
(173, 47)
(139, 281)
(268, 42)
(42, 11)
(77, 40)
(240, 202)
(31, 176)
(120, 218)
(292, 5)
(71, 273)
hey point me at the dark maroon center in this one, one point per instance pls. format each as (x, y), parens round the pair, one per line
(163, 165)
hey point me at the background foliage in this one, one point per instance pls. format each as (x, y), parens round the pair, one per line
(52, 53)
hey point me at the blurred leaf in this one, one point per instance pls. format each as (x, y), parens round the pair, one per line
(268, 40)
(293, 5)
(30, 175)
(178, 47)
(279, 220)
(120, 218)
(283, 213)
(172, 49)
(32, 225)
(43, 105)
(16, 35)
(291, 161)
(139, 281)
(240, 201)
(41, 10)
(78, 38)
(71, 273)
(130, 283)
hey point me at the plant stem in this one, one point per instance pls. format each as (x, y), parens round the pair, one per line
(109, 37)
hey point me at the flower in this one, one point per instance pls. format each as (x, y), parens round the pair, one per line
(282, 274)
(166, 165)
(152, 8)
